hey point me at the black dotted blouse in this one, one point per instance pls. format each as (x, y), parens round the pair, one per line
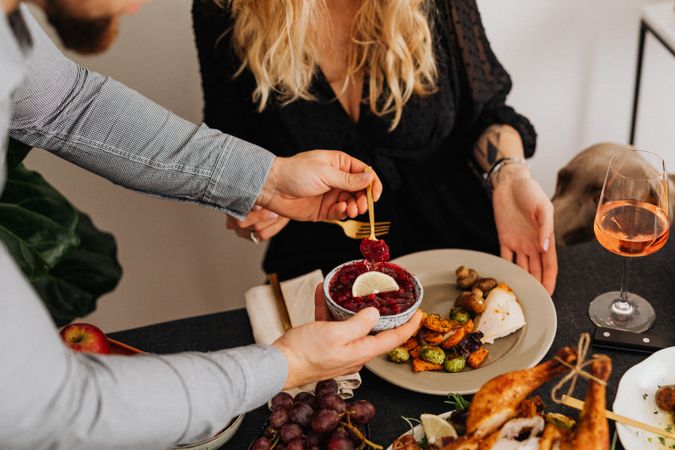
(431, 195)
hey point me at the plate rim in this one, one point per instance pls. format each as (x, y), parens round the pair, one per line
(215, 439)
(623, 431)
(550, 329)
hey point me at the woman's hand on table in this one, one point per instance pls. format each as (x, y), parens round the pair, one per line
(324, 349)
(524, 219)
(318, 185)
(260, 222)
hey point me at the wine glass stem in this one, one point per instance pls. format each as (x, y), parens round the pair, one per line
(621, 307)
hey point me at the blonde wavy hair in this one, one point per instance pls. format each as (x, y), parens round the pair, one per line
(391, 42)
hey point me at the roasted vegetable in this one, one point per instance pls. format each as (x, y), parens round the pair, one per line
(454, 363)
(469, 344)
(472, 301)
(468, 327)
(399, 355)
(453, 340)
(411, 343)
(435, 323)
(476, 359)
(431, 337)
(486, 285)
(415, 352)
(460, 315)
(432, 354)
(419, 365)
(560, 420)
(466, 277)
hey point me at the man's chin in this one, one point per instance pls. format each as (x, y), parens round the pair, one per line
(85, 36)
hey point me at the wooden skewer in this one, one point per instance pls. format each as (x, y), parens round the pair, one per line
(578, 404)
(371, 206)
(280, 301)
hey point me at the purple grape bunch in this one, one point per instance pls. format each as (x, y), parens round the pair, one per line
(322, 420)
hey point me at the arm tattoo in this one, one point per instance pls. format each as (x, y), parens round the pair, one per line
(486, 151)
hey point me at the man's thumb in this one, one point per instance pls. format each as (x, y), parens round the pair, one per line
(346, 181)
(361, 323)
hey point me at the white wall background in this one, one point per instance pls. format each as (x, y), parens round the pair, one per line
(573, 66)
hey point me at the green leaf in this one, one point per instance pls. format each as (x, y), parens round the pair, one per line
(36, 222)
(68, 261)
(90, 270)
(16, 153)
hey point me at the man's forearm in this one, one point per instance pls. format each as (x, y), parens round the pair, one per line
(109, 129)
(54, 398)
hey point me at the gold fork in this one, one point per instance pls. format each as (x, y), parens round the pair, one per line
(360, 230)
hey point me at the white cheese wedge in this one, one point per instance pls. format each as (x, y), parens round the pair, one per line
(503, 314)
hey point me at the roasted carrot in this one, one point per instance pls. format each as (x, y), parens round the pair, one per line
(419, 365)
(468, 326)
(477, 358)
(454, 339)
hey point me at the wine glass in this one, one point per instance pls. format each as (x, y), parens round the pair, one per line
(632, 220)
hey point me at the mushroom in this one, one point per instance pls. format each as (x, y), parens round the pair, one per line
(486, 285)
(466, 277)
(471, 301)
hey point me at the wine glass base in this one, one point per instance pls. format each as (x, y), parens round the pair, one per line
(639, 319)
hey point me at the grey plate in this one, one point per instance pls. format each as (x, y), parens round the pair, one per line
(436, 271)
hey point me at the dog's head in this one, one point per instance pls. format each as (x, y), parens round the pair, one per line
(578, 190)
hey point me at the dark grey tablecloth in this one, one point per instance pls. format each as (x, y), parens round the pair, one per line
(585, 271)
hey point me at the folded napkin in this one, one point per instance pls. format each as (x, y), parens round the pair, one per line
(267, 326)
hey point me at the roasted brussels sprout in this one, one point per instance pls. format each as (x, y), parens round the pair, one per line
(432, 354)
(486, 285)
(399, 355)
(471, 301)
(466, 277)
(460, 315)
(454, 363)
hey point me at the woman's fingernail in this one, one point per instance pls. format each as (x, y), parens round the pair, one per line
(271, 215)
(546, 245)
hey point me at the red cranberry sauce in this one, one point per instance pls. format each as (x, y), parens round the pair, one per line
(375, 250)
(388, 303)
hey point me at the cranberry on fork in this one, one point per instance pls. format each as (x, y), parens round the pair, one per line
(375, 250)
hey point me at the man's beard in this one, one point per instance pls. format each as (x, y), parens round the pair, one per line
(82, 35)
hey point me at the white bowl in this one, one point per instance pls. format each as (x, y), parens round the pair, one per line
(218, 440)
(385, 322)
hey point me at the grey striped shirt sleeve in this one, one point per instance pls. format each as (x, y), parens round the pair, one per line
(105, 127)
(52, 398)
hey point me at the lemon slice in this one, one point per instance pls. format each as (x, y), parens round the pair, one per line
(373, 283)
(436, 427)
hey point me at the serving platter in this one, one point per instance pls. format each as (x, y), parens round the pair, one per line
(524, 349)
(635, 399)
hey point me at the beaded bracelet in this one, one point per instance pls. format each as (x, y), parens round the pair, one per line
(497, 166)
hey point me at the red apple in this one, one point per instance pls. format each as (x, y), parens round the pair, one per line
(85, 337)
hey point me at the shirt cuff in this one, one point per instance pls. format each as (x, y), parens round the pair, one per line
(238, 177)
